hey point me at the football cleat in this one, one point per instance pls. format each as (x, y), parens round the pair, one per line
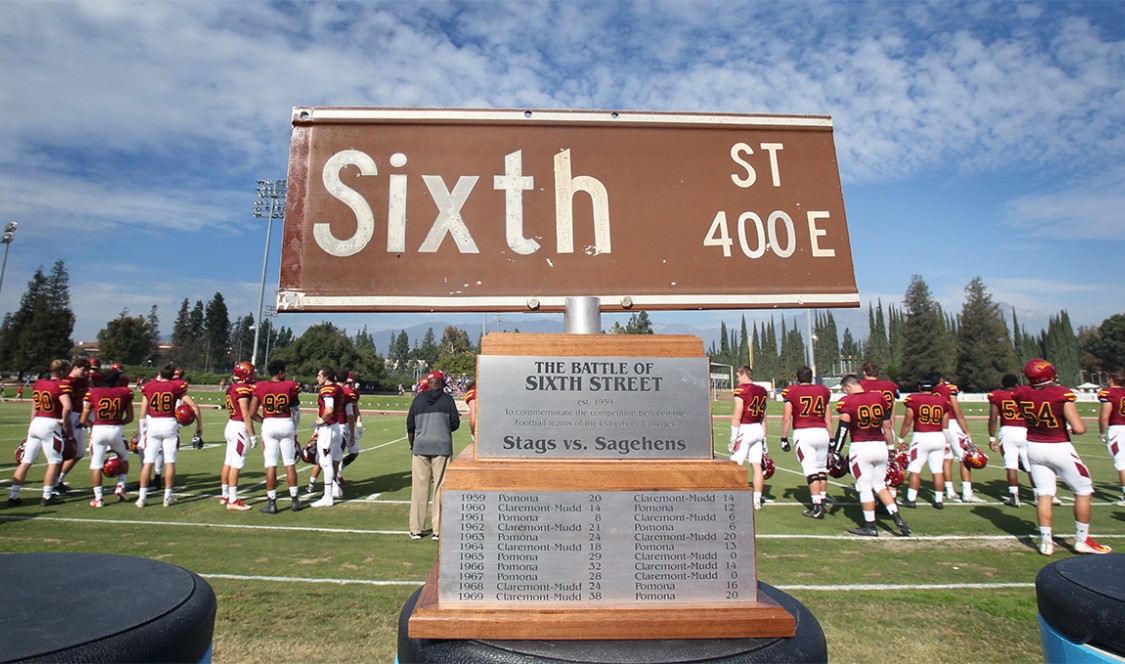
(269, 508)
(184, 414)
(867, 530)
(223, 501)
(121, 493)
(326, 501)
(1088, 545)
(62, 489)
(939, 505)
(909, 503)
(1047, 546)
(14, 501)
(817, 512)
(237, 505)
(97, 502)
(768, 467)
(1040, 372)
(1011, 501)
(53, 500)
(296, 506)
(415, 536)
(140, 502)
(902, 527)
(971, 498)
(170, 501)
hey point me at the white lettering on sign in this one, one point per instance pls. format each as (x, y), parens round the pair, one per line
(748, 180)
(777, 234)
(449, 220)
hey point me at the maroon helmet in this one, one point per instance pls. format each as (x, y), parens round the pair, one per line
(767, 466)
(1040, 372)
(837, 465)
(975, 459)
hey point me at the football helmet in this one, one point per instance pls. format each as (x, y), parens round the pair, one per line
(895, 476)
(70, 447)
(95, 363)
(177, 373)
(837, 465)
(975, 459)
(902, 459)
(309, 451)
(767, 466)
(184, 414)
(118, 367)
(1040, 372)
(19, 450)
(115, 466)
(244, 371)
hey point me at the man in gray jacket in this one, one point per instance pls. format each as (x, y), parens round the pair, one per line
(430, 425)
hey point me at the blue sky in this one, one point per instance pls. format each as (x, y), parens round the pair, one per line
(973, 138)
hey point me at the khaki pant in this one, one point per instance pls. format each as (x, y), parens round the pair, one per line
(426, 472)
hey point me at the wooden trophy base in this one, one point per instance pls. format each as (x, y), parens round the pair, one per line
(754, 616)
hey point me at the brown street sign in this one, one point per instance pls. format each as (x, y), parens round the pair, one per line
(507, 210)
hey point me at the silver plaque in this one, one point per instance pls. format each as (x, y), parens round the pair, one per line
(593, 408)
(579, 548)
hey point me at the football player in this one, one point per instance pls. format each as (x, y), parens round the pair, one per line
(958, 439)
(238, 433)
(806, 414)
(863, 416)
(872, 383)
(1111, 424)
(927, 413)
(160, 430)
(353, 432)
(50, 422)
(1050, 415)
(1011, 437)
(748, 428)
(279, 401)
(330, 416)
(107, 410)
(79, 379)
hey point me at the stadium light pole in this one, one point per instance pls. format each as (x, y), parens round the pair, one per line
(9, 235)
(270, 205)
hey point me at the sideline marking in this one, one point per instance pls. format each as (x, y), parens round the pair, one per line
(786, 587)
(358, 531)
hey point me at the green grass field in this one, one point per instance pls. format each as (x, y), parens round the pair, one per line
(960, 590)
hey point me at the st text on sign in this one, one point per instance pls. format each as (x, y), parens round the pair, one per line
(504, 210)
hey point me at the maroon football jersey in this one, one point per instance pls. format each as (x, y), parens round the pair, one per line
(810, 403)
(235, 393)
(109, 404)
(1042, 410)
(277, 397)
(1006, 405)
(45, 395)
(929, 410)
(885, 387)
(1116, 397)
(162, 396)
(335, 414)
(866, 411)
(753, 402)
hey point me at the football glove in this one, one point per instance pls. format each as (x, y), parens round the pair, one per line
(785, 446)
(197, 441)
(359, 430)
(253, 442)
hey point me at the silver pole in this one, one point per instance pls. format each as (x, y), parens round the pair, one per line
(271, 194)
(583, 315)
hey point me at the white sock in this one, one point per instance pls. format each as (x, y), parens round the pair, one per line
(1081, 531)
(98, 492)
(966, 488)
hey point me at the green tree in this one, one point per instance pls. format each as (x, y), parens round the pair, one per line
(216, 334)
(456, 356)
(126, 339)
(39, 331)
(1060, 347)
(826, 347)
(428, 350)
(639, 323)
(1109, 344)
(242, 339)
(985, 352)
(325, 344)
(850, 353)
(925, 340)
(878, 346)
